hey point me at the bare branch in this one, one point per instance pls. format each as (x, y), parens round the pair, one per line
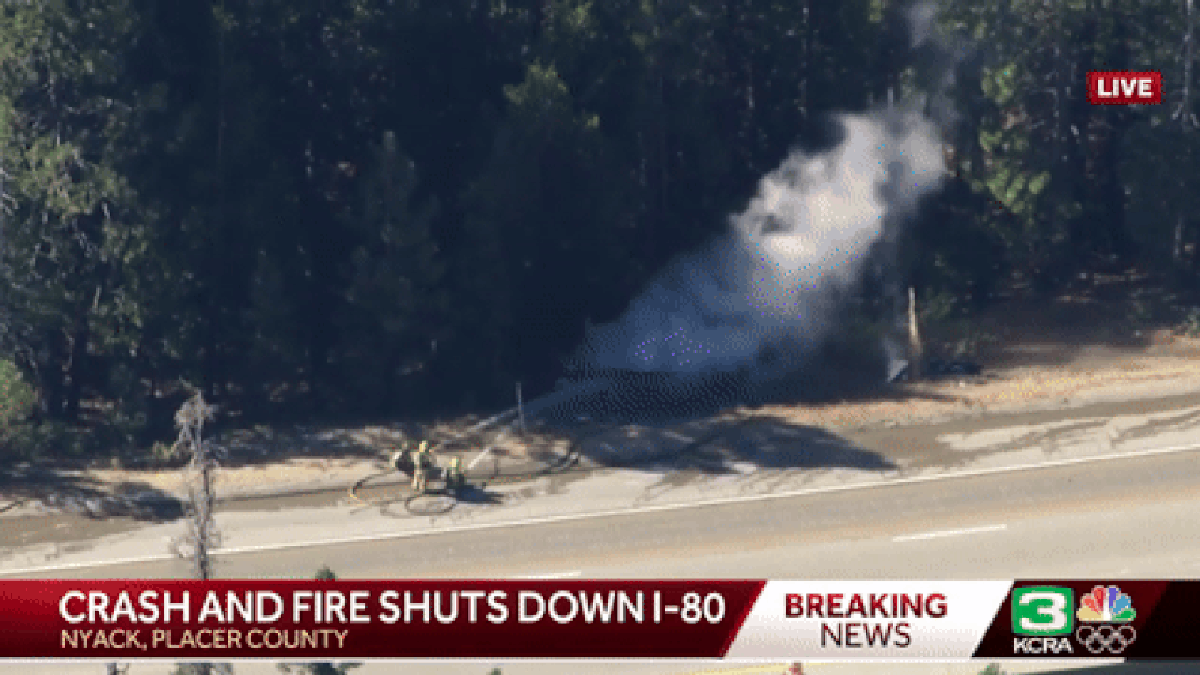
(202, 535)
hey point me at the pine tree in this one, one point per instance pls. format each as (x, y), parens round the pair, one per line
(394, 306)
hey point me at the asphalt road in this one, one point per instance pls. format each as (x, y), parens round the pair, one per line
(1127, 517)
(1136, 516)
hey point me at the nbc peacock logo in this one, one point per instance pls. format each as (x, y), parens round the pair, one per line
(1099, 611)
(1106, 605)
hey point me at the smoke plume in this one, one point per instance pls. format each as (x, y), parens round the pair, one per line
(775, 281)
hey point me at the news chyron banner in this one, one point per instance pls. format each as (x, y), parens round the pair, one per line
(746, 620)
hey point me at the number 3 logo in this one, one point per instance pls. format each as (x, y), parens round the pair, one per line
(1042, 611)
(1050, 605)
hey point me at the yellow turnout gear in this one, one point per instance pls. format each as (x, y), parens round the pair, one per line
(455, 477)
(421, 468)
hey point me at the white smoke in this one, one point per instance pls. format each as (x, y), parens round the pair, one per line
(921, 23)
(780, 273)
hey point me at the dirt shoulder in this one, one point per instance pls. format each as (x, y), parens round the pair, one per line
(1167, 365)
(305, 459)
(1032, 358)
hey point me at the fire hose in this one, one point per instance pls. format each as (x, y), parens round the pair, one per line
(541, 403)
(569, 464)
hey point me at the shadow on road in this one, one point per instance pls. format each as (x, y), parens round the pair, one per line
(729, 444)
(83, 496)
(262, 445)
(478, 494)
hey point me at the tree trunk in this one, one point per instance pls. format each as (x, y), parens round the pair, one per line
(75, 367)
(1177, 244)
(1185, 118)
(915, 348)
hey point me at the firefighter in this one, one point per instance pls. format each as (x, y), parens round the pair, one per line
(455, 478)
(400, 458)
(421, 468)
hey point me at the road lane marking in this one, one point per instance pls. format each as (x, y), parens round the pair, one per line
(659, 508)
(950, 533)
(771, 669)
(552, 575)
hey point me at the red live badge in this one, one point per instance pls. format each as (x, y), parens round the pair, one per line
(1122, 87)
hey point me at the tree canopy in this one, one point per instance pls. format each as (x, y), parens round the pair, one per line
(380, 206)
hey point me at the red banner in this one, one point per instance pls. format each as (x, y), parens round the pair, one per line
(335, 620)
(827, 620)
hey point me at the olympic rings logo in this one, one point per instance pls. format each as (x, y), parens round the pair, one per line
(1099, 639)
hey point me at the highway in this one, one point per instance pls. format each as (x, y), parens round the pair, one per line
(1125, 517)
(1133, 511)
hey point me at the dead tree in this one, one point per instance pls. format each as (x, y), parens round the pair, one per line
(202, 535)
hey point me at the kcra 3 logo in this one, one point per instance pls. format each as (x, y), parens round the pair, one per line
(1043, 623)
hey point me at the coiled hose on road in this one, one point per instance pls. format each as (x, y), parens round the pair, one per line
(568, 465)
(448, 498)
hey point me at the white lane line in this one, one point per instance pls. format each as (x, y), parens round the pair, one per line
(950, 533)
(553, 575)
(659, 508)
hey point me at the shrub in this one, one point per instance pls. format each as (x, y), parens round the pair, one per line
(17, 398)
(1191, 323)
(17, 401)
